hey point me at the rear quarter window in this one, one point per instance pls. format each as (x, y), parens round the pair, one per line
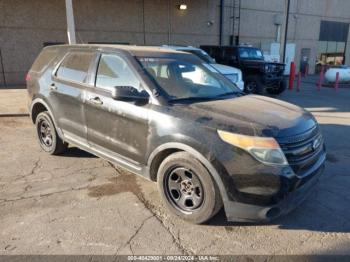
(43, 60)
(75, 66)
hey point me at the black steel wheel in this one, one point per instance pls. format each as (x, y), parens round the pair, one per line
(47, 135)
(184, 189)
(253, 85)
(187, 188)
(280, 88)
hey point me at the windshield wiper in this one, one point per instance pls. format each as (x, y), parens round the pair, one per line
(203, 98)
(184, 99)
(227, 94)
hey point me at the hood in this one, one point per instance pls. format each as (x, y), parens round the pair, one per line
(226, 70)
(253, 115)
(259, 63)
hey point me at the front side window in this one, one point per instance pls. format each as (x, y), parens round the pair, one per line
(114, 71)
(75, 67)
(186, 79)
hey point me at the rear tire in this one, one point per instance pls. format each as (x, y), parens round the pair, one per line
(278, 90)
(48, 138)
(188, 189)
(253, 85)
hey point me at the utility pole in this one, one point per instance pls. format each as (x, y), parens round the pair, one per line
(70, 23)
(285, 32)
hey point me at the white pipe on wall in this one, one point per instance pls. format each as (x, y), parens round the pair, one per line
(70, 22)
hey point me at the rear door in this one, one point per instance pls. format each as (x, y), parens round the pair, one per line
(67, 94)
(116, 128)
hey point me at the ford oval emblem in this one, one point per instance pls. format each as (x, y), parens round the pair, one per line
(316, 143)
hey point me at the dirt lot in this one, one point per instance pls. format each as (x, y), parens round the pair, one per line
(79, 204)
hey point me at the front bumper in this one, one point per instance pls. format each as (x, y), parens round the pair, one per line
(242, 212)
(272, 80)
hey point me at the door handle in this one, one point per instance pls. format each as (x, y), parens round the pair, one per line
(96, 100)
(53, 86)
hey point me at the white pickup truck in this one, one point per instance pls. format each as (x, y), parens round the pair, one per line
(232, 73)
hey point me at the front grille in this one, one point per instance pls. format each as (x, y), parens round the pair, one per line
(272, 68)
(302, 151)
(275, 68)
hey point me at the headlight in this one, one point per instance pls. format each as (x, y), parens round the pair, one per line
(264, 149)
(232, 77)
(267, 68)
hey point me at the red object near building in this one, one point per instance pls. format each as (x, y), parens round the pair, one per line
(291, 75)
(320, 80)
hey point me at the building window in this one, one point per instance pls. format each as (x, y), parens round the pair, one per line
(331, 46)
(330, 52)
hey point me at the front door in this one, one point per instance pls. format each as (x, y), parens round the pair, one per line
(116, 128)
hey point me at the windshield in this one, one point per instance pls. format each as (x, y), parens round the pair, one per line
(248, 53)
(202, 55)
(186, 80)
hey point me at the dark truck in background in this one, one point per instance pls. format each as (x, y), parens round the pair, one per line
(258, 75)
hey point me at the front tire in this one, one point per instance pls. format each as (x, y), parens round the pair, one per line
(48, 138)
(188, 189)
(278, 90)
(253, 85)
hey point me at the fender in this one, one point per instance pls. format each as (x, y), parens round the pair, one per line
(199, 156)
(40, 100)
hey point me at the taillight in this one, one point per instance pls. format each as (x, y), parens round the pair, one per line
(28, 78)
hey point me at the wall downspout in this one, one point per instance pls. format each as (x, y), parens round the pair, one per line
(221, 32)
(286, 33)
(169, 23)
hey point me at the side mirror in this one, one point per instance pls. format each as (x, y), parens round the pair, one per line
(129, 93)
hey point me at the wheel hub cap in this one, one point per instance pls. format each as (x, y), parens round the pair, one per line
(45, 133)
(184, 189)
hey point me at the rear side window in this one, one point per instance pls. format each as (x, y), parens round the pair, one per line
(44, 59)
(75, 67)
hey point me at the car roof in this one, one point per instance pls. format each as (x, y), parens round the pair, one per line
(180, 48)
(131, 49)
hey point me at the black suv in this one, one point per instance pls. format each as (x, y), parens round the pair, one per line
(258, 75)
(171, 118)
